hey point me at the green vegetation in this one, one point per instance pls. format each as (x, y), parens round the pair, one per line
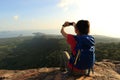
(105, 39)
(108, 51)
(44, 51)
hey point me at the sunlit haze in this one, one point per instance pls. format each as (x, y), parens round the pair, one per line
(104, 15)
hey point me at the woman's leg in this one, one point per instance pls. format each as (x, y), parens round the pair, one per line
(64, 58)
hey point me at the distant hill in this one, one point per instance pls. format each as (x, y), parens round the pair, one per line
(46, 33)
(98, 38)
(105, 39)
(10, 34)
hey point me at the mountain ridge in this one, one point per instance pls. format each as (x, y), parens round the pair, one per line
(6, 34)
(20, 34)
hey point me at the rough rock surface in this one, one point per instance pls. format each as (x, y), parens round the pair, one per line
(105, 70)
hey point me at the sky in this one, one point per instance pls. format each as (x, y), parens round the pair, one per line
(104, 15)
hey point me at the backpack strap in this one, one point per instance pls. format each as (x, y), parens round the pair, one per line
(77, 56)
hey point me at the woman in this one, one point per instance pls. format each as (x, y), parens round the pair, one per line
(82, 46)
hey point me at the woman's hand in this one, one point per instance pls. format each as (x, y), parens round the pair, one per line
(66, 24)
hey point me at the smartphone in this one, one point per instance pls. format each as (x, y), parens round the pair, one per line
(70, 24)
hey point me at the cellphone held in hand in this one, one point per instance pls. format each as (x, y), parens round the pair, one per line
(70, 24)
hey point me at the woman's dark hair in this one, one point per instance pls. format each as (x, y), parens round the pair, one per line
(83, 26)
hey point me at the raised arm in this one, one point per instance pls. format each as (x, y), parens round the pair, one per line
(63, 32)
(66, 24)
(62, 29)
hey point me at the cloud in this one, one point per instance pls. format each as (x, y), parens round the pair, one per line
(16, 17)
(65, 4)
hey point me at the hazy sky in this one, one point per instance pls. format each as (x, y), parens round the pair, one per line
(104, 15)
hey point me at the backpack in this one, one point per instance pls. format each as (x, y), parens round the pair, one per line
(85, 53)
